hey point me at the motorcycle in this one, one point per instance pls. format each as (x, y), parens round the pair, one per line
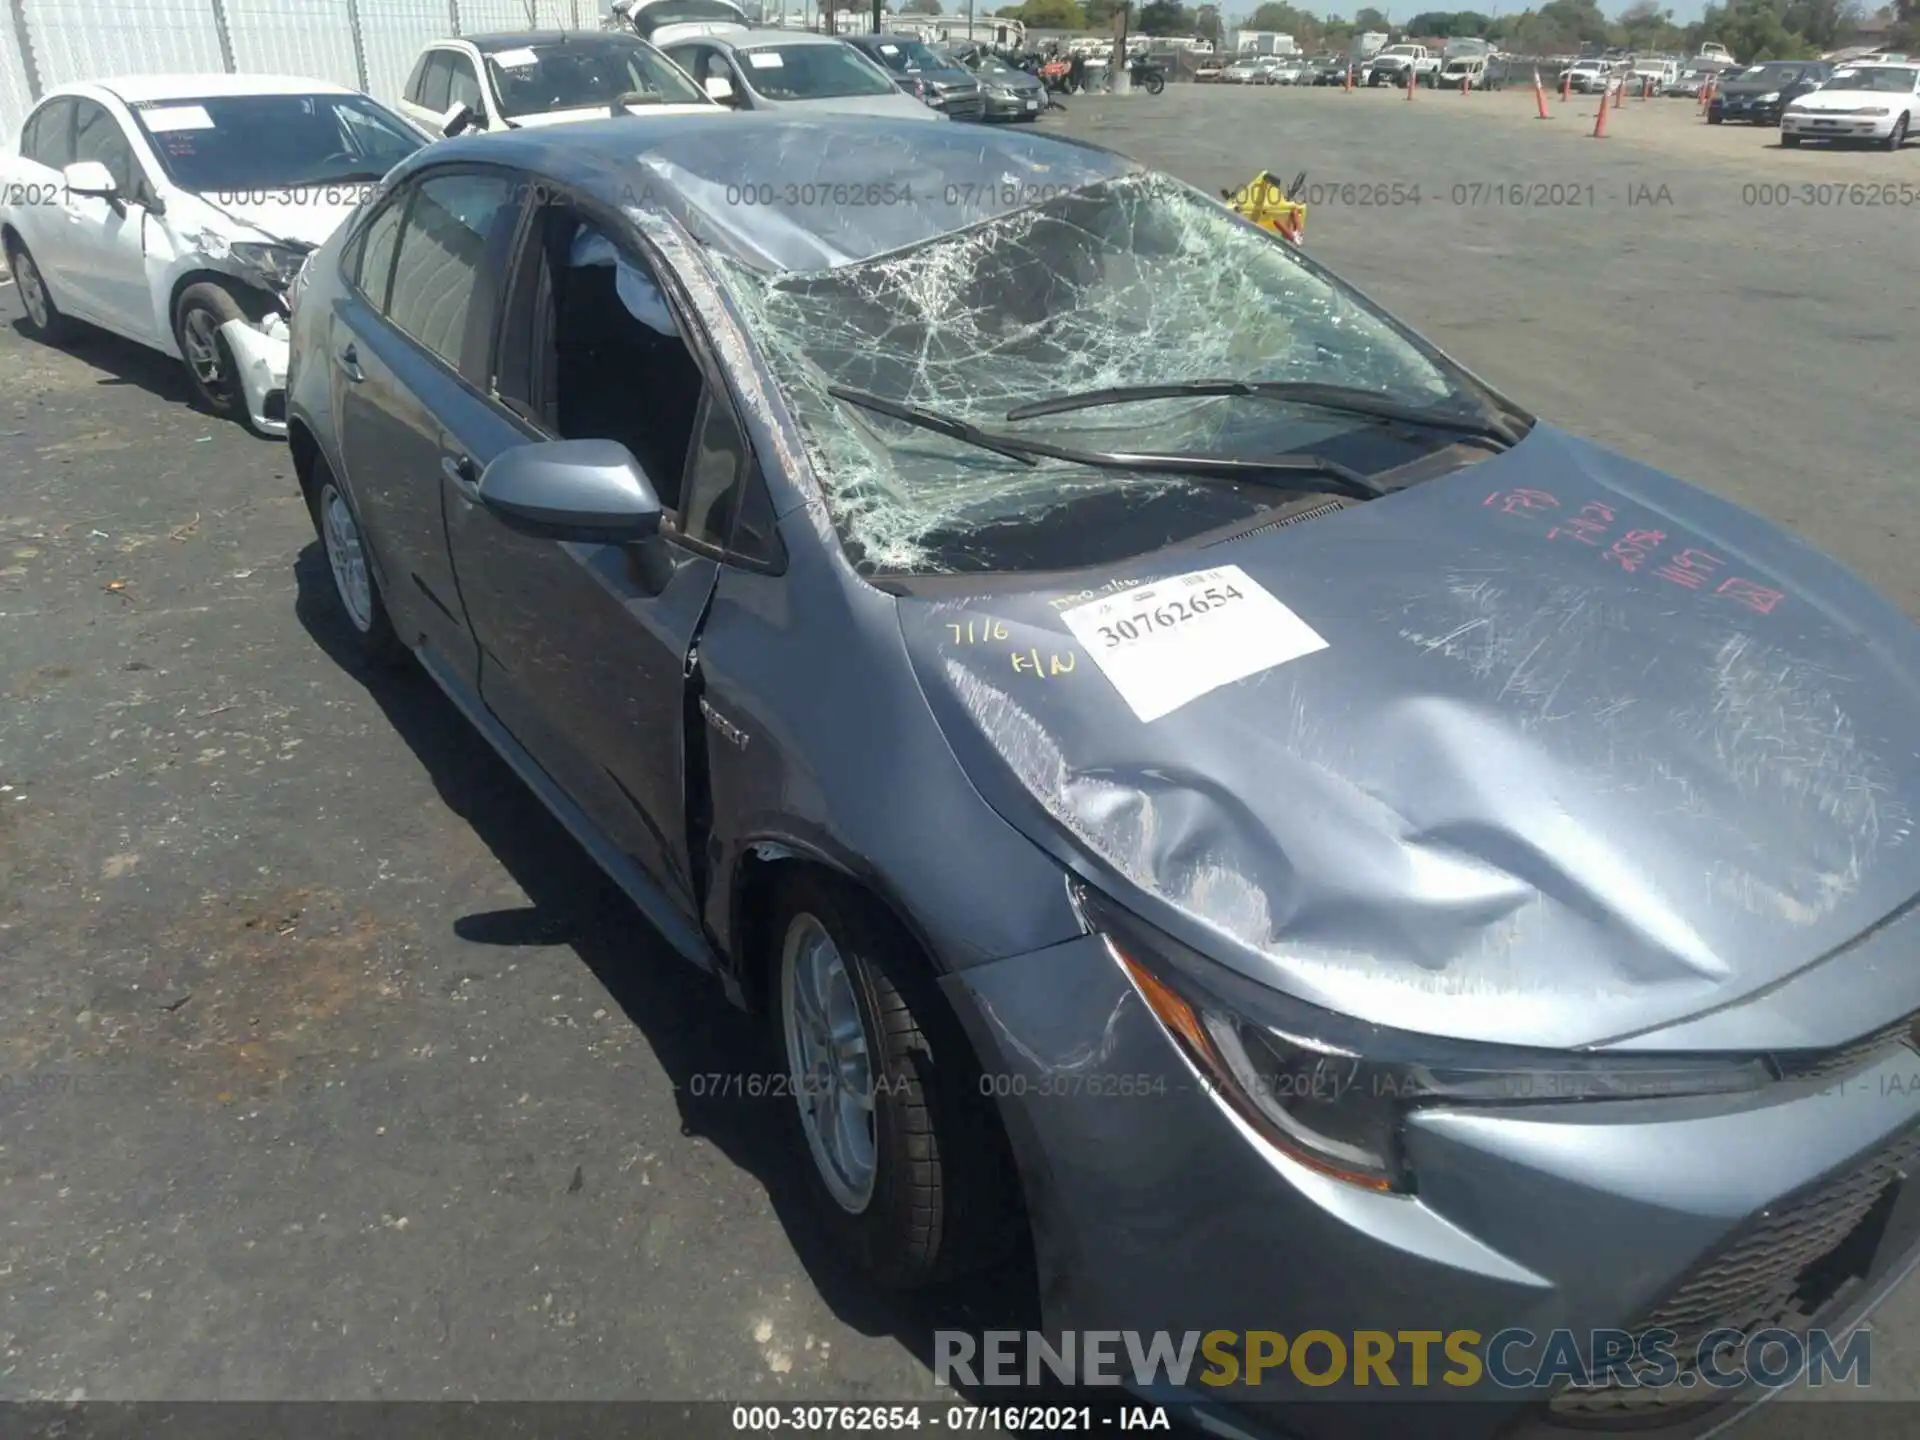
(1146, 75)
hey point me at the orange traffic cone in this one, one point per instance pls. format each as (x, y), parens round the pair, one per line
(1566, 85)
(1619, 94)
(1349, 84)
(1600, 116)
(1410, 79)
(1540, 96)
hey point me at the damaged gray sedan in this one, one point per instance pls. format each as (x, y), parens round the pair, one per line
(1190, 774)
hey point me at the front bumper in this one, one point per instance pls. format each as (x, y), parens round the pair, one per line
(962, 106)
(1155, 1210)
(1838, 127)
(1018, 106)
(260, 354)
(1747, 112)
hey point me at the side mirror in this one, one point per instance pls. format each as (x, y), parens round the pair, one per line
(589, 492)
(90, 177)
(459, 119)
(720, 89)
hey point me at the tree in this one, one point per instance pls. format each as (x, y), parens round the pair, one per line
(1371, 19)
(1164, 17)
(921, 7)
(1207, 25)
(1284, 19)
(1047, 14)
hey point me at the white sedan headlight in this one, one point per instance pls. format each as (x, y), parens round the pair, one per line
(1769, 97)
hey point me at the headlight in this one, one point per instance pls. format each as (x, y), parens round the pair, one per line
(297, 286)
(1879, 111)
(1333, 1093)
(1769, 97)
(274, 265)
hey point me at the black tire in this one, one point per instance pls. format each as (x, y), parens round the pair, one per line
(375, 642)
(1897, 136)
(943, 1196)
(1713, 119)
(1789, 142)
(197, 317)
(51, 327)
(1155, 84)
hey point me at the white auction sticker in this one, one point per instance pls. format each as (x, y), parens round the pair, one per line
(163, 118)
(520, 59)
(765, 59)
(1166, 644)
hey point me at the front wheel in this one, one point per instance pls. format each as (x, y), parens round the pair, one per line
(211, 368)
(1713, 119)
(1789, 142)
(1154, 83)
(911, 1177)
(1898, 135)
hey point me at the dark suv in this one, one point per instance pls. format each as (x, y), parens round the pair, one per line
(923, 71)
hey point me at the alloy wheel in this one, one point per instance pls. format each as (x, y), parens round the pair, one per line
(829, 1062)
(347, 558)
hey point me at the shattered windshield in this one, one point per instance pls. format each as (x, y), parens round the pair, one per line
(1132, 281)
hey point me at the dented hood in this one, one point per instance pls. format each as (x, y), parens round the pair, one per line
(1552, 750)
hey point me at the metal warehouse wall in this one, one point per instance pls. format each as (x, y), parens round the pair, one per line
(368, 44)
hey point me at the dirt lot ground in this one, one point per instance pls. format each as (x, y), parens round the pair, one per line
(331, 1069)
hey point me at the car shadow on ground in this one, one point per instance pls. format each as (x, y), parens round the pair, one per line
(123, 362)
(691, 1028)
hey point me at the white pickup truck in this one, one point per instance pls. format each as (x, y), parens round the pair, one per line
(1393, 65)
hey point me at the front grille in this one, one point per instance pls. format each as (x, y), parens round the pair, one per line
(1772, 1275)
(965, 107)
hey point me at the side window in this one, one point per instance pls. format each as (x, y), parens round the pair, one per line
(438, 79)
(417, 80)
(755, 535)
(370, 266)
(591, 350)
(443, 248)
(464, 87)
(48, 138)
(714, 472)
(98, 136)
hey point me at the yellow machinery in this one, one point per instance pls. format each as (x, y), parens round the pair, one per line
(1268, 204)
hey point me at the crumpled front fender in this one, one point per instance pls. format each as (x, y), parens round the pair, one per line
(260, 358)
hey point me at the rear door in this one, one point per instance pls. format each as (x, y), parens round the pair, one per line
(410, 351)
(36, 208)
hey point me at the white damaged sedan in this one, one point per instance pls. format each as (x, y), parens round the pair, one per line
(1877, 102)
(176, 210)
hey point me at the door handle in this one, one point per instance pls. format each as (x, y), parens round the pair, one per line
(462, 472)
(349, 362)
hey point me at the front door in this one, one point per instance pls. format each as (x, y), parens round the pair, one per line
(108, 250)
(584, 647)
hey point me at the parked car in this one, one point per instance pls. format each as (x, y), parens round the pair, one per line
(1249, 70)
(543, 77)
(1588, 77)
(1760, 95)
(1878, 103)
(175, 209)
(1328, 69)
(1456, 828)
(775, 69)
(1010, 92)
(1291, 70)
(1655, 73)
(933, 78)
(1691, 82)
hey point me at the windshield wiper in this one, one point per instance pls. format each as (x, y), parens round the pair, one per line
(1341, 399)
(1294, 471)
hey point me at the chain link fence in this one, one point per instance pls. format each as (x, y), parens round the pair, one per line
(369, 45)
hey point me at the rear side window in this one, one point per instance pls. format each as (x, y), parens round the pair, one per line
(443, 249)
(437, 81)
(370, 264)
(48, 137)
